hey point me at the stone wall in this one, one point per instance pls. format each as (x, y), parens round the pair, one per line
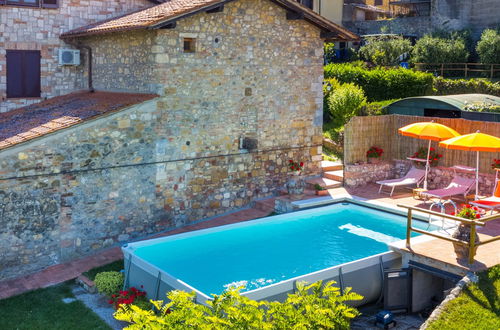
(438, 177)
(29, 28)
(412, 26)
(175, 159)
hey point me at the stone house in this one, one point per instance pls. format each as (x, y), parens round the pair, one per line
(32, 28)
(195, 109)
(416, 18)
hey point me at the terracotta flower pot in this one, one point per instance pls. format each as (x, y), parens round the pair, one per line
(373, 160)
(463, 233)
(322, 192)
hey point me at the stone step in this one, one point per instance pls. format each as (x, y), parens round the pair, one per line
(324, 182)
(334, 175)
(266, 205)
(328, 166)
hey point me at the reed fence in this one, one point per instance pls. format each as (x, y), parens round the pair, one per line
(361, 133)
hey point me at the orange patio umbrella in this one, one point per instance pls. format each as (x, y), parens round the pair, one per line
(428, 131)
(473, 142)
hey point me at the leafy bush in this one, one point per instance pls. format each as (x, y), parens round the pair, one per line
(382, 83)
(488, 47)
(109, 283)
(329, 52)
(465, 86)
(345, 102)
(313, 307)
(430, 49)
(376, 108)
(385, 50)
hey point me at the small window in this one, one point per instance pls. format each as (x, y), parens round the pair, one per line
(189, 45)
(32, 3)
(379, 2)
(23, 73)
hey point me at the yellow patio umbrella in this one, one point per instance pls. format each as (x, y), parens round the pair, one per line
(473, 142)
(431, 131)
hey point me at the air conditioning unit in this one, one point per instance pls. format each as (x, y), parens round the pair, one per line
(69, 57)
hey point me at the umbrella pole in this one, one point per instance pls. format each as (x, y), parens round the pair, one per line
(427, 165)
(477, 174)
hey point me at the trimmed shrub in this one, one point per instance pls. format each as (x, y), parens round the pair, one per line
(109, 283)
(345, 102)
(488, 48)
(465, 86)
(430, 49)
(314, 306)
(382, 83)
(376, 108)
(385, 50)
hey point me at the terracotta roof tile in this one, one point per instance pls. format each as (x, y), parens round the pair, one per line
(174, 9)
(60, 112)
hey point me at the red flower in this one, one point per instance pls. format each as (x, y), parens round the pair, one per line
(478, 215)
(290, 161)
(301, 164)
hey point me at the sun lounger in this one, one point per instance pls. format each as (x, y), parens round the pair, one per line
(491, 203)
(458, 186)
(413, 177)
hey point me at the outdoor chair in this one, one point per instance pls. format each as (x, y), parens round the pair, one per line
(459, 186)
(414, 177)
(491, 203)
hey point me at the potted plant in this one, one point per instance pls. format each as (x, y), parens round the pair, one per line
(421, 153)
(320, 191)
(373, 154)
(295, 167)
(496, 164)
(463, 231)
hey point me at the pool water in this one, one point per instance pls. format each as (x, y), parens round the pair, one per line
(269, 250)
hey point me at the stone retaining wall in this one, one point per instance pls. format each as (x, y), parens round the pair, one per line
(439, 177)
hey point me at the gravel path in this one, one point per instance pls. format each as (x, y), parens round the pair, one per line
(99, 305)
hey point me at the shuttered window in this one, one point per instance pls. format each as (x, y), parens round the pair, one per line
(32, 3)
(23, 73)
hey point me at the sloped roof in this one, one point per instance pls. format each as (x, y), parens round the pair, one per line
(170, 11)
(457, 101)
(60, 112)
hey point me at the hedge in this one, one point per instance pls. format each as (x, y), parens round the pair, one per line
(382, 83)
(465, 86)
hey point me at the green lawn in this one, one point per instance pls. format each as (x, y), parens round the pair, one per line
(114, 266)
(478, 307)
(44, 309)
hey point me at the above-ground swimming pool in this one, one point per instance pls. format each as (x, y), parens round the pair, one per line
(346, 242)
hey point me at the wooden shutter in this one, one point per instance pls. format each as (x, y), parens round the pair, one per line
(23, 73)
(50, 3)
(32, 73)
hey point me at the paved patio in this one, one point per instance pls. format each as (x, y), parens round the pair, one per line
(434, 250)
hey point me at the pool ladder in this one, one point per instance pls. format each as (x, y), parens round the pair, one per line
(441, 209)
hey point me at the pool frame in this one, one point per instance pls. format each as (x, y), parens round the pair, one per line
(353, 274)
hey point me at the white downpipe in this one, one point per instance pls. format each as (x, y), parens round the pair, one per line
(427, 164)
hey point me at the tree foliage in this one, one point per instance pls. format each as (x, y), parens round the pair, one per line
(385, 50)
(314, 306)
(345, 102)
(430, 49)
(488, 47)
